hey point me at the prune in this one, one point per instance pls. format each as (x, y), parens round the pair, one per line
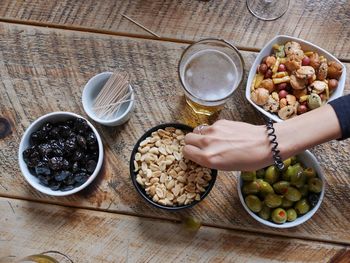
(80, 125)
(62, 155)
(55, 163)
(90, 166)
(81, 142)
(62, 175)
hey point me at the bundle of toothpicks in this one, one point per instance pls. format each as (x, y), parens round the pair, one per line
(113, 95)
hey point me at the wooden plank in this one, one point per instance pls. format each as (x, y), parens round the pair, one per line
(44, 70)
(325, 23)
(29, 228)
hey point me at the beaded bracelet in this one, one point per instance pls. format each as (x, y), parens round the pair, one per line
(273, 139)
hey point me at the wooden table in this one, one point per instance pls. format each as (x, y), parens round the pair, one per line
(48, 51)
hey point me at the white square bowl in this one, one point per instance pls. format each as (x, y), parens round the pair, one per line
(306, 46)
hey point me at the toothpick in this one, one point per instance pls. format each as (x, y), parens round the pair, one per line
(143, 27)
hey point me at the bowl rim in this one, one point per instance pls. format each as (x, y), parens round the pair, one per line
(30, 177)
(87, 109)
(303, 218)
(221, 40)
(139, 188)
(275, 117)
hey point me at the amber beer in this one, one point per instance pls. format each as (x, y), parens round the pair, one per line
(209, 76)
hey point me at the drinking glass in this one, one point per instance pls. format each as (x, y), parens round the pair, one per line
(268, 9)
(210, 70)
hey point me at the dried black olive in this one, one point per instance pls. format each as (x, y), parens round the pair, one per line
(81, 178)
(91, 138)
(66, 187)
(90, 166)
(62, 175)
(77, 156)
(42, 169)
(54, 133)
(44, 149)
(81, 142)
(313, 199)
(55, 163)
(70, 180)
(54, 186)
(80, 125)
(65, 131)
(46, 127)
(62, 155)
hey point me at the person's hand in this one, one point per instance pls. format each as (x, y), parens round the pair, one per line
(229, 145)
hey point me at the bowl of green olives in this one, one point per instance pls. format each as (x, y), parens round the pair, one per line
(283, 199)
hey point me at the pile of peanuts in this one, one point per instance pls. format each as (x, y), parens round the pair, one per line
(167, 177)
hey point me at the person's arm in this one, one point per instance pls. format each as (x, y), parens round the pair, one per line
(230, 145)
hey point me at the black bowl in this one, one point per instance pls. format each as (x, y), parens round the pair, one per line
(142, 191)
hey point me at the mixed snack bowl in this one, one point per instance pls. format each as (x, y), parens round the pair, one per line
(61, 153)
(291, 76)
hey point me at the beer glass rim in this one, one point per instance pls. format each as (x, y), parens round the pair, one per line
(217, 40)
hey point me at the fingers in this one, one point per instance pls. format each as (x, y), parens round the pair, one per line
(200, 129)
(194, 154)
(195, 140)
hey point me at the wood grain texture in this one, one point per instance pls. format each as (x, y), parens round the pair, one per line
(44, 70)
(89, 236)
(325, 23)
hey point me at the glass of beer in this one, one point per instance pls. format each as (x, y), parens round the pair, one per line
(210, 70)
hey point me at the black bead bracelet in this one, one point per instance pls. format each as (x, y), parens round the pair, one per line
(273, 139)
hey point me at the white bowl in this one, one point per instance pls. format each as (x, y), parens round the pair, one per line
(308, 160)
(90, 92)
(25, 144)
(268, 50)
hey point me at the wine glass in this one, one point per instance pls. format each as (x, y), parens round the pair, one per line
(267, 9)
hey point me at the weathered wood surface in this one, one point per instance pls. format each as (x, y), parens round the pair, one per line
(325, 23)
(44, 70)
(29, 228)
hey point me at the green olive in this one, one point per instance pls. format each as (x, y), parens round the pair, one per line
(286, 203)
(291, 214)
(281, 187)
(315, 185)
(287, 163)
(265, 212)
(302, 206)
(271, 175)
(287, 174)
(279, 216)
(309, 173)
(250, 188)
(260, 173)
(273, 200)
(248, 176)
(298, 178)
(253, 203)
(304, 190)
(292, 194)
(294, 160)
(264, 187)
